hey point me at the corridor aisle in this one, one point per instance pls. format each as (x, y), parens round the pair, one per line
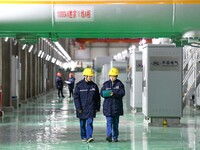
(50, 124)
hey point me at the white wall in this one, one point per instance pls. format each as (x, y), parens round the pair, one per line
(82, 54)
(99, 50)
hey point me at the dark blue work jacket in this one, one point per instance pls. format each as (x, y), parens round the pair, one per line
(113, 105)
(71, 83)
(87, 99)
(59, 83)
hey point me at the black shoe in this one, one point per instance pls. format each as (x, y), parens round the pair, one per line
(115, 140)
(109, 139)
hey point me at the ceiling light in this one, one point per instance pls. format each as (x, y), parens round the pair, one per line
(23, 47)
(40, 52)
(30, 48)
(62, 50)
(6, 39)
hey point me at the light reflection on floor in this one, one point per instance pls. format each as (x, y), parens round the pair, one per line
(49, 123)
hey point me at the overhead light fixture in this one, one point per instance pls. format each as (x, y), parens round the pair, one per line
(23, 47)
(40, 52)
(195, 45)
(62, 50)
(6, 39)
(59, 49)
(49, 58)
(30, 48)
(15, 42)
(142, 42)
(53, 60)
(192, 34)
(132, 48)
(57, 62)
(115, 57)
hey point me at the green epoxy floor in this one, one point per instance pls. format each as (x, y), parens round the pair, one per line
(49, 124)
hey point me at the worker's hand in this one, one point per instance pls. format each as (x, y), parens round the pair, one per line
(111, 94)
(80, 111)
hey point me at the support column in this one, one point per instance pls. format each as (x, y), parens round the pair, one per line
(50, 76)
(40, 75)
(33, 77)
(6, 76)
(15, 76)
(29, 75)
(52, 81)
(23, 81)
(37, 75)
(1, 72)
(1, 47)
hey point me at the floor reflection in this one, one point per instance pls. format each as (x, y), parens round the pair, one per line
(49, 123)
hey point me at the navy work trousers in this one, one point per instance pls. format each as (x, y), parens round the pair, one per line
(86, 128)
(112, 127)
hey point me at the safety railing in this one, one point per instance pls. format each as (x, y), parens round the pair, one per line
(191, 74)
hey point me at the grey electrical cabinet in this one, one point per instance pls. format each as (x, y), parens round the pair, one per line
(162, 81)
(136, 78)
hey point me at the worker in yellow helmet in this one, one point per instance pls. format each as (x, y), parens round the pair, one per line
(87, 103)
(113, 92)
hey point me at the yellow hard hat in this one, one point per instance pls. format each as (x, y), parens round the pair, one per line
(88, 72)
(113, 72)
